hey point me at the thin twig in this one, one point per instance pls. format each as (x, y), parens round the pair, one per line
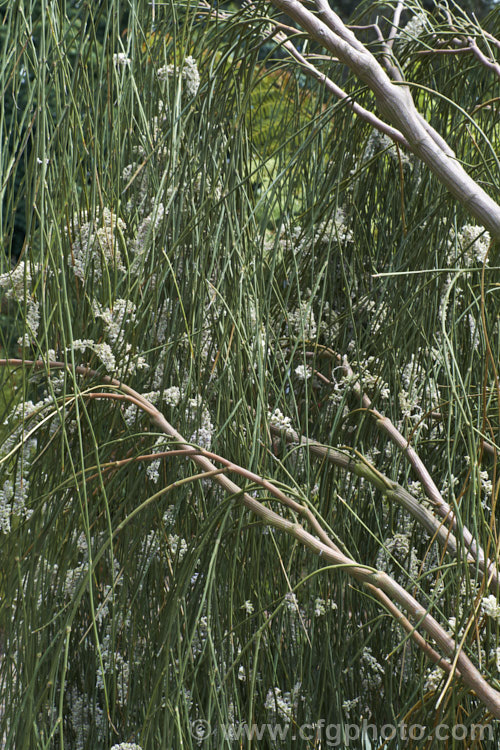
(396, 19)
(431, 490)
(395, 103)
(365, 575)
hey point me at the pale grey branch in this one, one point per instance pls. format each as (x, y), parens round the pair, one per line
(396, 104)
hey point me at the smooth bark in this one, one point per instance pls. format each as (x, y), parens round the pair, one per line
(395, 103)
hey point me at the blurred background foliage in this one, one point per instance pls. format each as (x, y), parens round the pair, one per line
(19, 103)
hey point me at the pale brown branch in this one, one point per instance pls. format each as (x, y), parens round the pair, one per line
(431, 654)
(490, 64)
(445, 51)
(396, 19)
(431, 490)
(464, 48)
(365, 575)
(439, 530)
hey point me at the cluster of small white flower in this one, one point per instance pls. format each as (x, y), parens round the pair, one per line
(283, 705)
(287, 237)
(86, 715)
(433, 679)
(475, 331)
(172, 395)
(415, 488)
(486, 487)
(495, 655)
(131, 412)
(453, 630)
(233, 727)
(295, 238)
(278, 419)
(162, 543)
(188, 698)
(102, 349)
(188, 72)
(380, 143)
(333, 230)
(116, 318)
(13, 497)
(113, 662)
(83, 715)
(302, 323)
(374, 382)
(18, 285)
(153, 468)
(371, 670)
(415, 26)
(398, 553)
(369, 381)
(102, 612)
(418, 393)
(169, 516)
(448, 485)
(31, 322)
(14, 493)
(341, 384)
(131, 361)
(411, 405)
(303, 372)
(16, 281)
(145, 235)
(376, 313)
(73, 580)
(203, 434)
(322, 606)
(486, 484)
(350, 705)
(291, 602)
(491, 607)
(469, 245)
(95, 244)
(121, 59)
(177, 545)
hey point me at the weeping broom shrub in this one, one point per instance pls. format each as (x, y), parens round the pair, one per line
(213, 230)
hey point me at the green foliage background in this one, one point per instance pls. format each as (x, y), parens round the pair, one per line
(249, 208)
